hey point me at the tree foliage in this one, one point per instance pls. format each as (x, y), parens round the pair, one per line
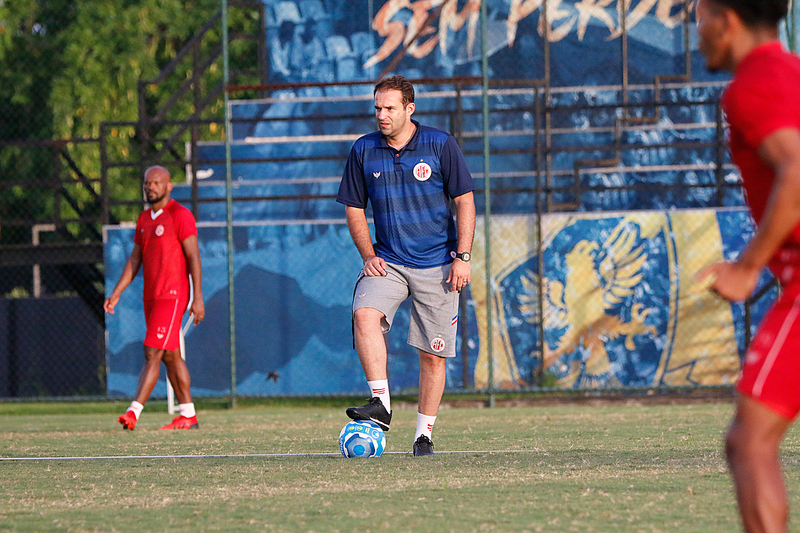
(109, 48)
(68, 66)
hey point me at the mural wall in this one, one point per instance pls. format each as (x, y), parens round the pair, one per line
(295, 142)
(342, 40)
(620, 307)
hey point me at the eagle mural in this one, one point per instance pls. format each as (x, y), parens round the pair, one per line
(587, 304)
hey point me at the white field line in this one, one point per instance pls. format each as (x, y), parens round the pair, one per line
(241, 455)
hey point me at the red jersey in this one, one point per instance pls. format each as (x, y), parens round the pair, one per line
(763, 98)
(160, 235)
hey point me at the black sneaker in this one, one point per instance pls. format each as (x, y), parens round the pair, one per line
(373, 410)
(423, 446)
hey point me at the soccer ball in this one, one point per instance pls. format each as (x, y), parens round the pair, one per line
(362, 438)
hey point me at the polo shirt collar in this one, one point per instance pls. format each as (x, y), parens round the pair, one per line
(410, 145)
(154, 214)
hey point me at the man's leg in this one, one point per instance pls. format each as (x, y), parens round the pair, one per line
(148, 377)
(371, 347)
(432, 378)
(178, 375)
(752, 447)
(370, 342)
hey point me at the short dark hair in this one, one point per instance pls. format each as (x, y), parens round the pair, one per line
(397, 83)
(757, 12)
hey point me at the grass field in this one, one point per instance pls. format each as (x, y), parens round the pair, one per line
(610, 468)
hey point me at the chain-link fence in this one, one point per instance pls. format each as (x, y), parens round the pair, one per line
(50, 313)
(609, 187)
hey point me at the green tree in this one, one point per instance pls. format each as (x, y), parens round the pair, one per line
(110, 47)
(29, 51)
(68, 66)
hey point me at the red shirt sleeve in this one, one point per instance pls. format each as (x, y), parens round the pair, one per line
(137, 235)
(185, 225)
(761, 105)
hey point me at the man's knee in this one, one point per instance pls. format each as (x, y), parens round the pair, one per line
(432, 361)
(735, 443)
(153, 355)
(749, 439)
(171, 357)
(366, 316)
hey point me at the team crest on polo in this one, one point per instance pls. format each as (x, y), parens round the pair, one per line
(437, 344)
(608, 299)
(422, 171)
(159, 230)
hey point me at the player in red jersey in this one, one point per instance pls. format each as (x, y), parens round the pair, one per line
(763, 110)
(166, 246)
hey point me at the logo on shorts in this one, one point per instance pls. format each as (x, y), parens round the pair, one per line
(437, 344)
(787, 273)
(160, 332)
(752, 357)
(376, 174)
(422, 171)
(159, 230)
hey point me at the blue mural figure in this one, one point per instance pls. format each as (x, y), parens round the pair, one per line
(606, 305)
(598, 279)
(281, 52)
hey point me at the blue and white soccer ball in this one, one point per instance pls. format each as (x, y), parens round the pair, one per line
(362, 438)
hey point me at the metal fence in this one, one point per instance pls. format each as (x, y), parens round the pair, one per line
(581, 271)
(619, 185)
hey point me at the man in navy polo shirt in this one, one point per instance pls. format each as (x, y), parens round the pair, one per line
(410, 173)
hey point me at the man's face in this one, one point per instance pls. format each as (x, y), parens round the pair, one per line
(712, 29)
(393, 118)
(156, 186)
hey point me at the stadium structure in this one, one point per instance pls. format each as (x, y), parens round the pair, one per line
(604, 172)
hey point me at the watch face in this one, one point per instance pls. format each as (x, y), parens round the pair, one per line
(465, 256)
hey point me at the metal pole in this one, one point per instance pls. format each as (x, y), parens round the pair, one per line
(540, 209)
(792, 28)
(229, 199)
(547, 117)
(624, 51)
(194, 134)
(789, 25)
(457, 130)
(488, 199)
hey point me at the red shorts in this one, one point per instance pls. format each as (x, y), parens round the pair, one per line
(771, 368)
(163, 317)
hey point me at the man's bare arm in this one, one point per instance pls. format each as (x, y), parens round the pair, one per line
(191, 251)
(129, 272)
(736, 280)
(460, 272)
(359, 231)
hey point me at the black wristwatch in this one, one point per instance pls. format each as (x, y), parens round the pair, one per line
(464, 256)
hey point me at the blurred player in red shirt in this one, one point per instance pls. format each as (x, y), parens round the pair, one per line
(166, 246)
(762, 105)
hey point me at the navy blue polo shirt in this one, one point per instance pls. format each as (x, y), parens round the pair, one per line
(410, 192)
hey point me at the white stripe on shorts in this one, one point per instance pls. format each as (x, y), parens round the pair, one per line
(171, 323)
(763, 374)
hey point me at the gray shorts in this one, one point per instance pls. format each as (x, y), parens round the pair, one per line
(434, 305)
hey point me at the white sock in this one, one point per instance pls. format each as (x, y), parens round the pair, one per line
(424, 425)
(186, 409)
(380, 389)
(136, 407)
